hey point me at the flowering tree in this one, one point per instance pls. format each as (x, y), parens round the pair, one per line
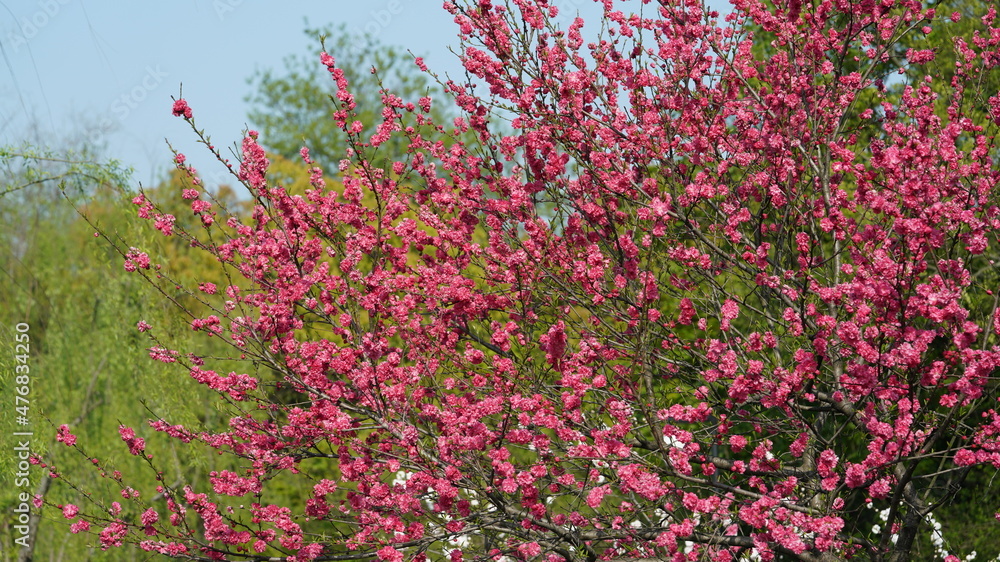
(695, 303)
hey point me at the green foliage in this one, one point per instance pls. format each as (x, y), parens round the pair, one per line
(90, 366)
(983, 82)
(88, 362)
(292, 107)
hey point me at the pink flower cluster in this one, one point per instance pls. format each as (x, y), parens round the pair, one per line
(254, 164)
(182, 109)
(64, 436)
(135, 260)
(136, 445)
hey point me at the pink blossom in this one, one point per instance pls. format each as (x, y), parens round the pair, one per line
(687, 311)
(254, 163)
(879, 489)
(389, 554)
(529, 549)
(136, 445)
(200, 206)
(113, 535)
(596, 496)
(181, 109)
(730, 310)
(134, 259)
(149, 517)
(855, 476)
(64, 436)
(965, 457)
(165, 224)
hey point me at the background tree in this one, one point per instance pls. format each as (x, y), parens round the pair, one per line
(292, 106)
(46, 193)
(86, 354)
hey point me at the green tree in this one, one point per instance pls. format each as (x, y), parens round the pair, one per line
(292, 106)
(88, 363)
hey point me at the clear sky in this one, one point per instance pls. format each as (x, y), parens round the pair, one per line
(104, 71)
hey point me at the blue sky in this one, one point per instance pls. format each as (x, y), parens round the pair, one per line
(104, 71)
